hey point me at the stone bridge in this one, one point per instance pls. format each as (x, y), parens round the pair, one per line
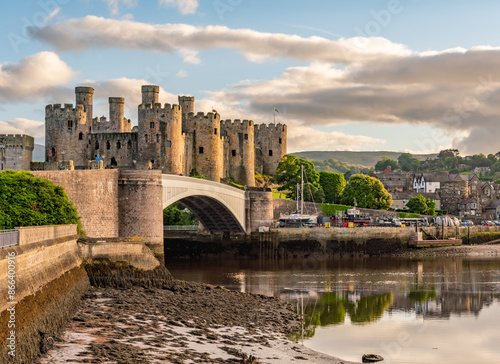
(130, 203)
(219, 207)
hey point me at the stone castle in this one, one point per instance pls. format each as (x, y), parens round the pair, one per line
(170, 138)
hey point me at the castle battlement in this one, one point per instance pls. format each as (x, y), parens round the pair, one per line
(158, 108)
(270, 128)
(186, 98)
(237, 123)
(17, 140)
(56, 109)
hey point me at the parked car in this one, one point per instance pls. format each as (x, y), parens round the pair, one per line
(467, 223)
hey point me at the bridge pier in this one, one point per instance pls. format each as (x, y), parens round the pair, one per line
(259, 209)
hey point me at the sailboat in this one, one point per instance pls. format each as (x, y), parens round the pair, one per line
(297, 219)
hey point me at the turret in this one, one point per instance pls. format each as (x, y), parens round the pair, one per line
(85, 97)
(117, 120)
(270, 147)
(187, 104)
(150, 94)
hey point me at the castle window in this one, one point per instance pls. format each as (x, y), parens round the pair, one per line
(118, 145)
(200, 149)
(152, 124)
(270, 153)
(96, 144)
(108, 145)
(80, 136)
(280, 140)
(70, 124)
(246, 136)
(129, 144)
(90, 129)
(157, 138)
(169, 143)
(215, 131)
(233, 152)
(145, 138)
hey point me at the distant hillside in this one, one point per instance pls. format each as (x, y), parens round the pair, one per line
(357, 159)
(38, 153)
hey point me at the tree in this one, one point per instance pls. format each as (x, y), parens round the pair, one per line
(26, 200)
(313, 193)
(420, 205)
(386, 162)
(288, 174)
(447, 153)
(408, 163)
(333, 185)
(417, 204)
(368, 191)
(177, 214)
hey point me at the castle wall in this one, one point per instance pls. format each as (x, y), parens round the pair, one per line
(66, 134)
(95, 196)
(207, 156)
(16, 151)
(270, 147)
(116, 150)
(239, 151)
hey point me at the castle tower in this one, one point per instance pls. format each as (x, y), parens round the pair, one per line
(240, 150)
(150, 94)
(160, 138)
(85, 97)
(117, 120)
(270, 147)
(187, 104)
(205, 146)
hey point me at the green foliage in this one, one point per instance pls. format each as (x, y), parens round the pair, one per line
(333, 185)
(408, 163)
(386, 162)
(368, 192)
(329, 209)
(422, 296)
(176, 214)
(420, 205)
(26, 200)
(288, 175)
(194, 173)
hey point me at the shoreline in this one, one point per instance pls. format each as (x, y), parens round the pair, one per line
(185, 323)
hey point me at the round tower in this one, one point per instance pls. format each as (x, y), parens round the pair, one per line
(173, 140)
(208, 152)
(187, 104)
(240, 154)
(270, 147)
(150, 94)
(116, 114)
(85, 97)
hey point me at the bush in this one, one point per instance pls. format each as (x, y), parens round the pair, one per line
(26, 200)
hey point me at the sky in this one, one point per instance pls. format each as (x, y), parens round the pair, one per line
(396, 75)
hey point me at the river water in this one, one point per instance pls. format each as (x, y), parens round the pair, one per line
(440, 310)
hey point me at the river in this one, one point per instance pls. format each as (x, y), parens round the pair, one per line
(427, 310)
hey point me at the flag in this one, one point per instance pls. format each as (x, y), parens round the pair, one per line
(276, 110)
(213, 110)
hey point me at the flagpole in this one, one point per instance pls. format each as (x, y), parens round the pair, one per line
(274, 113)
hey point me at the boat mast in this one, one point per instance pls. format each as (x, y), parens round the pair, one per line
(302, 189)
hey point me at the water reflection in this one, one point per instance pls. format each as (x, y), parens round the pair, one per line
(448, 307)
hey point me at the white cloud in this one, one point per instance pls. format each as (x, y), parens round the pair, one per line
(33, 128)
(114, 5)
(182, 73)
(190, 56)
(33, 77)
(184, 6)
(92, 31)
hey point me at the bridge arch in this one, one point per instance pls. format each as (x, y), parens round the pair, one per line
(217, 206)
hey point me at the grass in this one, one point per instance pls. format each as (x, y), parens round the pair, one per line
(411, 215)
(283, 196)
(329, 209)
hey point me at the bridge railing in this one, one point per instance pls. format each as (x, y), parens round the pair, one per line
(180, 227)
(9, 238)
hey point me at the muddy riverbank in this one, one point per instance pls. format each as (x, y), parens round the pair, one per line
(182, 322)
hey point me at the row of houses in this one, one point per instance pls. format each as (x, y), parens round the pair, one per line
(463, 195)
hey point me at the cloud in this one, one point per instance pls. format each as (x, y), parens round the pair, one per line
(190, 56)
(114, 5)
(182, 73)
(184, 6)
(33, 77)
(33, 128)
(92, 31)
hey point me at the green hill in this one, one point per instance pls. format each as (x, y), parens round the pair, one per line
(356, 159)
